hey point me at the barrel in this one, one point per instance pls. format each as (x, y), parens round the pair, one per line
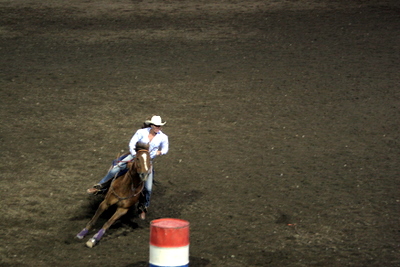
(169, 243)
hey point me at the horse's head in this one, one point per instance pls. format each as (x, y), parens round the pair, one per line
(142, 161)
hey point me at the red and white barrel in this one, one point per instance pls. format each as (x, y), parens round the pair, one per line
(169, 243)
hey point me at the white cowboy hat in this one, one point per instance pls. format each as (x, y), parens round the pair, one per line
(156, 120)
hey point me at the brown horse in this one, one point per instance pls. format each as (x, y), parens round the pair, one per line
(124, 192)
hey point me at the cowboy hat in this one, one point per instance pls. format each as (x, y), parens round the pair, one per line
(155, 120)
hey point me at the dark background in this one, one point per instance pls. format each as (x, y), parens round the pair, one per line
(283, 119)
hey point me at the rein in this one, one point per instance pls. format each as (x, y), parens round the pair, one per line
(132, 195)
(127, 161)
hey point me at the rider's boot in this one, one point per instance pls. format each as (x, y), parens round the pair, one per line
(96, 189)
(142, 210)
(99, 189)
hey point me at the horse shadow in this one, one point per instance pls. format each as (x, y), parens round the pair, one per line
(90, 207)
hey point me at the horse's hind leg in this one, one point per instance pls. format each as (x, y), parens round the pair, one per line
(96, 238)
(102, 207)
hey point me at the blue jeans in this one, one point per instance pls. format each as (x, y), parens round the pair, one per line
(148, 186)
(122, 166)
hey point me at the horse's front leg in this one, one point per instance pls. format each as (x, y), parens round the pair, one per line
(96, 238)
(102, 207)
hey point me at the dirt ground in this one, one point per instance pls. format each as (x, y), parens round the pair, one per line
(283, 120)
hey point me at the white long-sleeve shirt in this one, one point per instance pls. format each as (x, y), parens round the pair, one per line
(158, 143)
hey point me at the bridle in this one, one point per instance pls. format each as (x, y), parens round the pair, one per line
(132, 187)
(140, 150)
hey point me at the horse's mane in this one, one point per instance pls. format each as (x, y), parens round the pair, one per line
(141, 145)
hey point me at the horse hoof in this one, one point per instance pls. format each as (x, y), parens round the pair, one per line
(91, 243)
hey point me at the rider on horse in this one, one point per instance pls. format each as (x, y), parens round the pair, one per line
(158, 145)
